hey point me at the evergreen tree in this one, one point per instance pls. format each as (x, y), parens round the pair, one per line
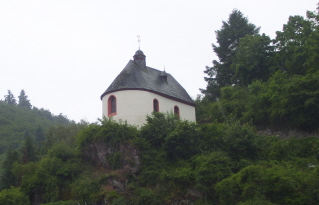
(8, 179)
(39, 135)
(28, 150)
(10, 99)
(23, 100)
(228, 38)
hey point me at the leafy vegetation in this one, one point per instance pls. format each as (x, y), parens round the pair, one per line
(16, 119)
(21, 124)
(272, 83)
(216, 163)
(228, 39)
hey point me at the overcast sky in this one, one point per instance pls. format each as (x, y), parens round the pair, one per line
(65, 53)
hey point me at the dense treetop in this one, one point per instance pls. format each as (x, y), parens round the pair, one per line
(17, 118)
(228, 39)
(268, 82)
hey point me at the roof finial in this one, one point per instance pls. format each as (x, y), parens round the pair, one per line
(139, 42)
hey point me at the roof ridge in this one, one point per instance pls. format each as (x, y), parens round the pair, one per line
(148, 78)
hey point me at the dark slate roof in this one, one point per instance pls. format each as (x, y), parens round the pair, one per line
(133, 77)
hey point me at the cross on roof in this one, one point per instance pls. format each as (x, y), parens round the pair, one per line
(139, 42)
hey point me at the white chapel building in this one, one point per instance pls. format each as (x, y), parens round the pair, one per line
(140, 90)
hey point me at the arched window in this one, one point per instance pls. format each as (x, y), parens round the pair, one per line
(111, 105)
(155, 105)
(176, 110)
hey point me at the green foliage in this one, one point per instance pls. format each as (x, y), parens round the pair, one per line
(86, 190)
(62, 203)
(282, 101)
(39, 135)
(23, 100)
(183, 141)
(253, 59)
(7, 178)
(10, 99)
(51, 176)
(110, 131)
(217, 163)
(291, 43)
(14, 121)
(277, 183)
(256, 202)
(120, 201)
(62, 151)
(228, 38)
(63, 133)
(233, 102)
(157, 127)
(165, 139)
(290, 101)
(28, 149)
(211, 168)
(212, 135)
(240, 141)
(115, 160)
(110, 134)
(13, 196)
(278, 82)
(146, 196)
(179, 173)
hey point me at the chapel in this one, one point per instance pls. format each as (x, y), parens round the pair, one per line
(140, 90)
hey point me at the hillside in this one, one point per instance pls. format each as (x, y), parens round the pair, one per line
(167, 161)
(17, 119)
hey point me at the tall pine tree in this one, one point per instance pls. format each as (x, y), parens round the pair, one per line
(8, 179)
(228, 37)
(39, 135)
(28, 149)
(23, 100)
(10, 99)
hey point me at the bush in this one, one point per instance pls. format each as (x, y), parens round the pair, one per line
(62, 203)
(13, 196)
(278, 184)
(109, 131)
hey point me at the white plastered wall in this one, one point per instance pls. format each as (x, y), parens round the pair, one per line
(134, 105)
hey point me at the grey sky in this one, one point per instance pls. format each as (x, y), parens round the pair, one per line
(65, 53)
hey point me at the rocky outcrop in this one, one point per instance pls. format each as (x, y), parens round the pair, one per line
(122, 156)
(117, 161)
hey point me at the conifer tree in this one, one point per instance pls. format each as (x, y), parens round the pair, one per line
(23, 100)
(8, 179)
(228, 37)
(10, 99)
(39, 135)
(28, 150)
